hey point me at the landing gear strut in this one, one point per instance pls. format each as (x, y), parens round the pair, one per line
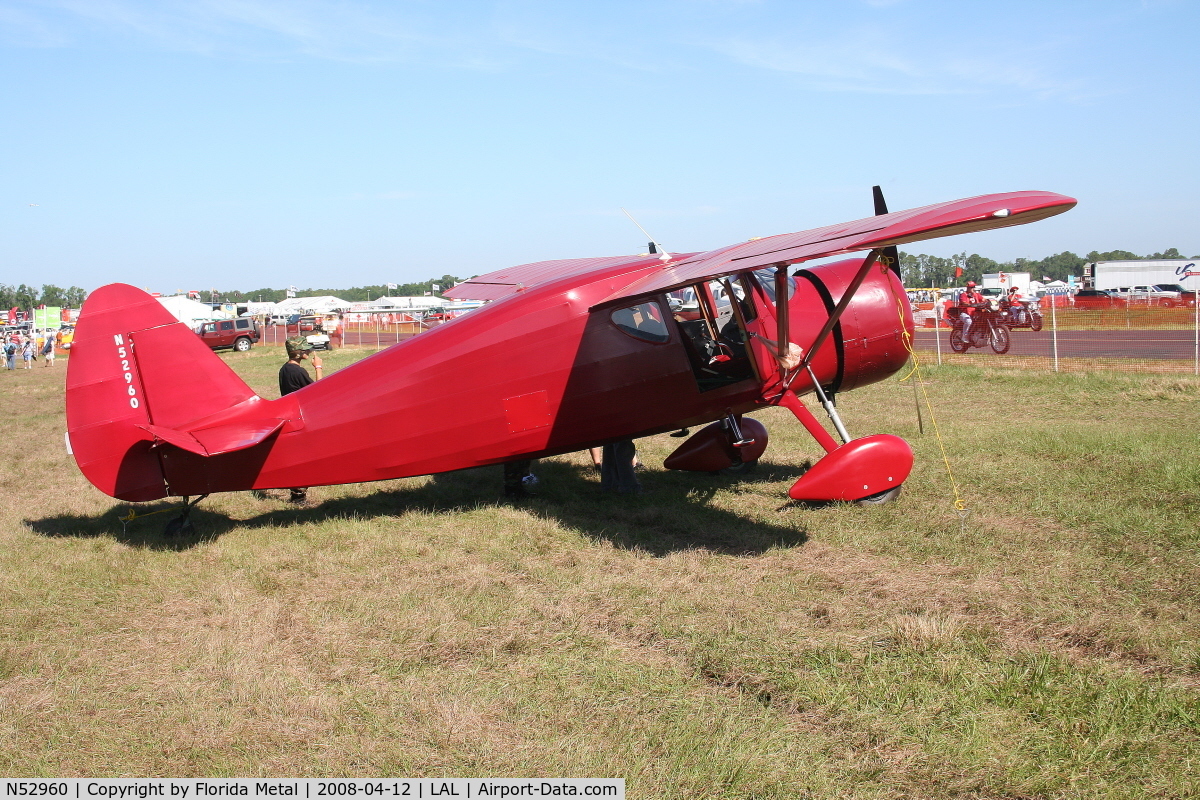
(182, 525)
(739, 439)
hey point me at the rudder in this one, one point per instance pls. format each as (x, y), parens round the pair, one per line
(133, 365)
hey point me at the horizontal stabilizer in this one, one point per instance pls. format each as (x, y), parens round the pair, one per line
(220, 439)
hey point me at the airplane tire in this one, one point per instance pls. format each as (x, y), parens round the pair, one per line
(744, 468)
(880, 498)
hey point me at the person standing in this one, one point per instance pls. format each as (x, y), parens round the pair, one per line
(519, 480)
(48, 348)
(10, 354)
(333, 327)
(617, 468)
(293, 377)
(27, 352)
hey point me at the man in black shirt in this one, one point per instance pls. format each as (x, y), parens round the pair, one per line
(293, 376)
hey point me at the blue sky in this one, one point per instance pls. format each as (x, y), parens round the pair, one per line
(330, 143)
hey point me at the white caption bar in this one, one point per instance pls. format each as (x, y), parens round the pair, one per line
(316, 788)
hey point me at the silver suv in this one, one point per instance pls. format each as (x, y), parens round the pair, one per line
(1165, 295)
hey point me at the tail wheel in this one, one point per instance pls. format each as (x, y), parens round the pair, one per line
(1035, 322)
(957, 343)
(1001, 339)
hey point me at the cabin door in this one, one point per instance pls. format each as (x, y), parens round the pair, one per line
(712, 318)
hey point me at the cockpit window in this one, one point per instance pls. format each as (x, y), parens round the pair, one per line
(643, 321)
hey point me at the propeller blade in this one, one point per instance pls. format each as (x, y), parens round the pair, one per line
(892, 252)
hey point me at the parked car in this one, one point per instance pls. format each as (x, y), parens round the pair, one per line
(240, 334)
(1098, 298)
(308, 326)
(1164, 295)
(298, 323)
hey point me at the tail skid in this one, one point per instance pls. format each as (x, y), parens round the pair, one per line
(137, 379)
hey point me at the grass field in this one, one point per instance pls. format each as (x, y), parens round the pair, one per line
(702, 641)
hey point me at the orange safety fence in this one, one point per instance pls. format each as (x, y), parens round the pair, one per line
(1131, 338)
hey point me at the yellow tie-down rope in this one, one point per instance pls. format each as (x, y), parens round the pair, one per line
(960, 505)
(133, 514)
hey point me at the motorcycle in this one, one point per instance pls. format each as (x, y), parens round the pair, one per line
(988, 328)
(1024, 314)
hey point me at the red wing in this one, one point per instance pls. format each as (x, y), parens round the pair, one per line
(930, 222)
(508, 281)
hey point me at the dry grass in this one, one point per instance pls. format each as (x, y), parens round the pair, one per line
(700, 641)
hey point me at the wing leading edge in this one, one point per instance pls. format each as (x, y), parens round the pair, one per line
(986, 212)
(504, 282)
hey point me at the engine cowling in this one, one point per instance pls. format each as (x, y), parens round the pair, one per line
(871, 335)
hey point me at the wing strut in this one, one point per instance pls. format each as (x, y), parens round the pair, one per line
(842, 305)
(781, 311)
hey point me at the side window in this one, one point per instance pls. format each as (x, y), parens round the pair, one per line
(766, 279)
(744, 291)
(643, 321)
(243, 324)
(227, 325)
(724, 304)
(210, 327)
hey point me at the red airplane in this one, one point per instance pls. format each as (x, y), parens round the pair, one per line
(567, 355)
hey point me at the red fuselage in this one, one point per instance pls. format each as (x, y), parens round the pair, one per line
(545, 372)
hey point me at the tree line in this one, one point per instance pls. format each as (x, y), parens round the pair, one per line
(26, 298)
(925, 270)
(917, 270)
(355, 294)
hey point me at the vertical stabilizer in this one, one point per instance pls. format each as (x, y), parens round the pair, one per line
(133, 366)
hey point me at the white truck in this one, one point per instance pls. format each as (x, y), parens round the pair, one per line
(1166, 283)
(1003, 281)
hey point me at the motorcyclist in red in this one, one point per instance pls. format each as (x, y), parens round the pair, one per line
(1013, 303)
(969, 302)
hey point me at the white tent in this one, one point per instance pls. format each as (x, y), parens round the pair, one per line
(316, 305)
(428, 301)
(189, 311)
(255, 309)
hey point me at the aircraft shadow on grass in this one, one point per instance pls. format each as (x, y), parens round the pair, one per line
(674, 513)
